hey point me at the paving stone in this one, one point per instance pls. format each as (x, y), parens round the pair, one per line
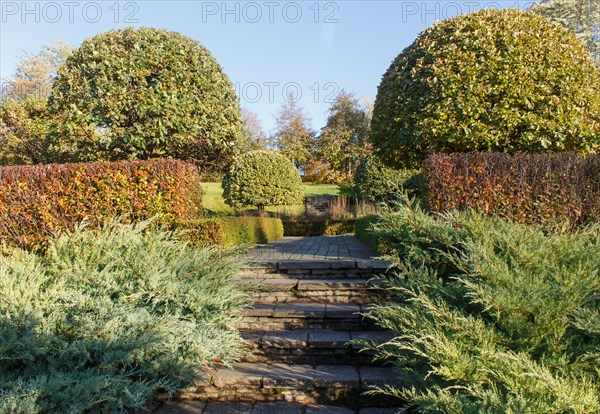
(328, 284)
(324, 338)
(303, 310)
(295, 376)
(373, 264)
(342, 310)
(282, 407)
(379, 376)
(336, 376)
(298, 271)
(259, 265)
(324, 409)
(259, 310)
(241, 373)
(248, 283)
(284, 283)
(182, 407)
(253, 336)
(304, 248)
(343, 264)
(280, 339)
(229, 408)
(323, 274)
(381, 411)
(304, 264)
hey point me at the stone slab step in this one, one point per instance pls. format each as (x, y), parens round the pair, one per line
(293, 290)
(199, 407)
(251, 382)
(314, 269)
(371, 264)
(305, 284)
(289, 316)
(306, 310)
(312, 346)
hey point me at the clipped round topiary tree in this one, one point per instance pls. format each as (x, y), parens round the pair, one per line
(376, 182)
(262, 178)
(146, 93)
(502, 80)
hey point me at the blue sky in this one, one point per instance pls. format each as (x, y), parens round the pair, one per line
(267, 48)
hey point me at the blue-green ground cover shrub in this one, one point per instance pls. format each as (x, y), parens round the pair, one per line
(106, 319)
(491, 316)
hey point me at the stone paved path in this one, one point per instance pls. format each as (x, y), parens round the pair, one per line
(198, 407)
(311, 248)
(310, 294)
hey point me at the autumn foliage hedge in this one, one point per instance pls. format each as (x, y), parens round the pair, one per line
(36, 201)
(527, 188)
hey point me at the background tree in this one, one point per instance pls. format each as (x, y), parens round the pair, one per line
(254, 134)
(580, 16)
(262, 178)
(493, 80)
(376, 182)
(35, 73)
(24, 119)
(23, 128)
(293, 136)
(145, 93)
(343, 142)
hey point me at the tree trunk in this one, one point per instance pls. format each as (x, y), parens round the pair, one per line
(261, 209)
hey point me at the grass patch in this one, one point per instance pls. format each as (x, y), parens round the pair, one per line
(321, 189)
(213, 199)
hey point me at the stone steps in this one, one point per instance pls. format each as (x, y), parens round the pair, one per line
(314, 269)
(291, 316)
(198, 407)
(293, 290)
(298, 331)
(303, 383)
(316, 346)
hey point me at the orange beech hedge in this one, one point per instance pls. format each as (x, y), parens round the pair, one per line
(527, 188)
(36, 201)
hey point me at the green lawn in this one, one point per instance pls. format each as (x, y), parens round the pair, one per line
(213, 198)
(321, 189)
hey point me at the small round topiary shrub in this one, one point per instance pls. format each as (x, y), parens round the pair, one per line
(501, 80)
(145, 93)
(262, 178)
(376, 182)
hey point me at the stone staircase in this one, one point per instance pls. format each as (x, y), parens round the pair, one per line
(299, 329)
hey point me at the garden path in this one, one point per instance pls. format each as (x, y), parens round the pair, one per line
(311, 248)
(309, 293)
